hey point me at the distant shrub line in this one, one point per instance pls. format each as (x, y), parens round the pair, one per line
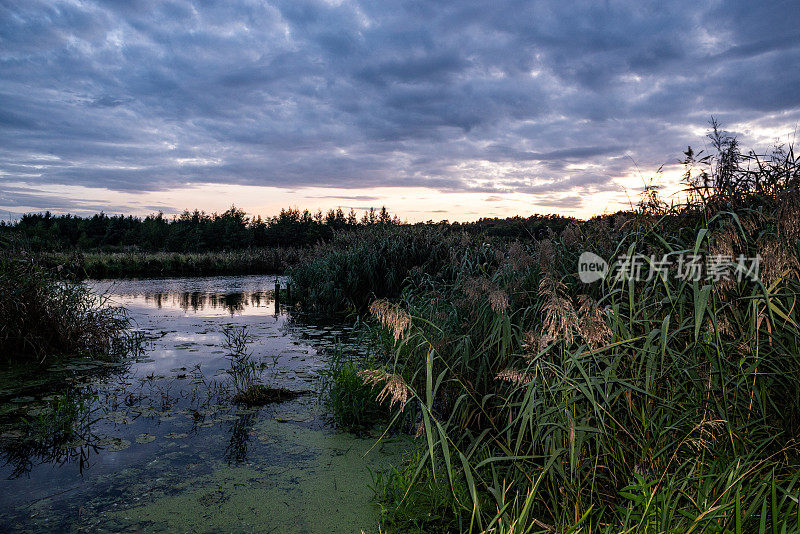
(157, 264)
(193, 232)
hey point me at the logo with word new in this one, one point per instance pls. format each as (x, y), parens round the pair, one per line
(591, 267)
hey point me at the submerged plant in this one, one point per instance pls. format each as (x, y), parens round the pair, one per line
(243, 370)
(58, 431)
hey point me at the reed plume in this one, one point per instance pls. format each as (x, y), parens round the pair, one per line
(777, 262)
(395, 388)
(560, 319)
(514, 376)
(593, 326)
(391, 316)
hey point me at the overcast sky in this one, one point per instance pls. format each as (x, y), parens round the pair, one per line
(436, 109)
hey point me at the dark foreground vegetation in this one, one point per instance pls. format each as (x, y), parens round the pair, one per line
(543, 404)
(43, 315)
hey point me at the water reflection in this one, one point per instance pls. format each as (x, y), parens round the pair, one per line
(211, 296)
(57, 432)
(240, 431)
(22, 456)
(234, 303)
(164, 420)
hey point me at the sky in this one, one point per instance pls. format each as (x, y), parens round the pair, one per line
(438, 110)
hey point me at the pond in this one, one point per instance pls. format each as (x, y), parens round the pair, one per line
(154, 443)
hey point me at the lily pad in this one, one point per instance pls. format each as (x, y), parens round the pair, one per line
(293, 417)
(114, 444)
(145, 410)
(145, 438)
(120, 418)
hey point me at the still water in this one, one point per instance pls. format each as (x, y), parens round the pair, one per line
(158, 445)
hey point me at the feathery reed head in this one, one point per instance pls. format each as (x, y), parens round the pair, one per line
(704, 434)
(777, 261)
(517, 258)
(560, 319)
(391, 316)
(571, 235)
(514, 376)
(478, 288)
(593, 326)
(789, 218)
(498, 300)
(545, 254)
(395, 388)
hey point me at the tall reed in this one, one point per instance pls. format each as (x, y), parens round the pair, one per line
(664, 404)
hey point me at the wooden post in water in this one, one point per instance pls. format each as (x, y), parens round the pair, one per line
(277, 297)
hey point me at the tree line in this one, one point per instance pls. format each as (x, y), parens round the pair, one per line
(196, 231)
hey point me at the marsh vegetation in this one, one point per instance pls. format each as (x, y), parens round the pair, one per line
(532, 401)
(544, 404)
(45, 315)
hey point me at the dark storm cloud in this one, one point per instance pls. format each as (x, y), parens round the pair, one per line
(146, 96)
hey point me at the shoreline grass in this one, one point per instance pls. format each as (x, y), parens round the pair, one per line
(157, 264)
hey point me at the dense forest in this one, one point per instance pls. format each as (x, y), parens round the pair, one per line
(197, 231)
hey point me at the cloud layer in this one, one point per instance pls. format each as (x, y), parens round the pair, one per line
(547, 98)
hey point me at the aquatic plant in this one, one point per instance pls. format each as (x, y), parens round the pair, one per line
(413, 501)
(259, 394)
(350, 402)
(243, 370)
(57, 432)
(63, 417)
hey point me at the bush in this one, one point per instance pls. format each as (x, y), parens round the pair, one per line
(354, 268)
(43, 316)
(155, 264)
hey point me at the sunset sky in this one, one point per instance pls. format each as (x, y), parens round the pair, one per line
(437, 110)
